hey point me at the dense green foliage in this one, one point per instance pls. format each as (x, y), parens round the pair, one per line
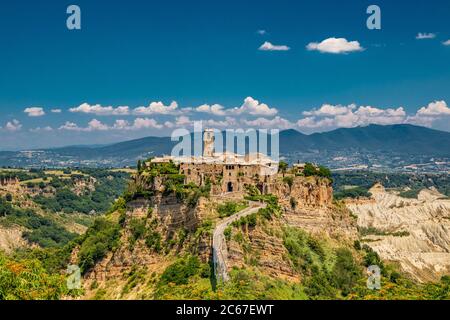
(102, 237)
(108, 186)
(283, 166)
(396, 287)
(272, 208)
(346, 272)
(403, 289)
(313, 170)
(22, 175)
(183, 269)
(249, 284)
(410, 194)
(137, 229)
(140, 229)
(327, 273)
(230, 207)
(184, 273)
(40, 230)
(248, 221)
(53, 259)
(173, 184)
(365, 231)
(28, 280)
(356, 192)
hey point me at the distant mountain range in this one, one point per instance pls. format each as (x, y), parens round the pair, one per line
(405, 140)
(401, 139)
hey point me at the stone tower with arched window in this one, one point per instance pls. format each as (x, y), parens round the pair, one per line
(208, 143)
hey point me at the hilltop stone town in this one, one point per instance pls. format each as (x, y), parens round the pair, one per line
(228, 172)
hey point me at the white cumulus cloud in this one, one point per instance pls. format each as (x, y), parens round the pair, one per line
(93, 125)
(158, 108)
(13, 126)
(335, 46)
(229, 122)
(264, 123)
(267, 46)
(34, 112)
(330, 110)
(427, 115)
(436, 108)
(118, 125)
(100, 110)
(145, 123)
(424, 35)
(250, 106)
(254, 107)
(70, 126)
(339, 116)
(42, 129)
(446, 43)
(215, 109)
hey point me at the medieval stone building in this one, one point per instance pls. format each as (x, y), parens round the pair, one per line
(227, 171)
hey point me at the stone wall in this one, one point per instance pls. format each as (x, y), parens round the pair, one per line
(225, 177)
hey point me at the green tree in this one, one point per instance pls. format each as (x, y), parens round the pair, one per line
(309, 170)
(289, 180)
(282, 167)
(346, 271)
(139, 166)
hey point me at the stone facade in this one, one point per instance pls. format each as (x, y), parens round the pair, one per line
(226, 172)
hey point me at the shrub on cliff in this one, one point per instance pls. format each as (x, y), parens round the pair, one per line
(153, 240)
(319, 171)
(283, 166)
(102, 237)
(289, 180)
(137, 229)
(311, 258)
(180, 272)
(346, 271)
(229, 208)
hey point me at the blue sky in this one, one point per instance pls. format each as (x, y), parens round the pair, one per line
(203, 60)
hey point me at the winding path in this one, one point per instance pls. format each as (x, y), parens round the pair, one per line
(220, 252)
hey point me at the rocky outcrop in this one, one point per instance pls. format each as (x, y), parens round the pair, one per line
(166, 215)
(83, 185)
(412, 232)
(312, 211)
(11, 239)
(9, 185)
(219, 246)
(264, 250)
(262, 245)
(308, 204)
(307, 191)
(333, 222)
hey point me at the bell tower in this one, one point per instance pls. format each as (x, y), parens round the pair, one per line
(208, 143)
